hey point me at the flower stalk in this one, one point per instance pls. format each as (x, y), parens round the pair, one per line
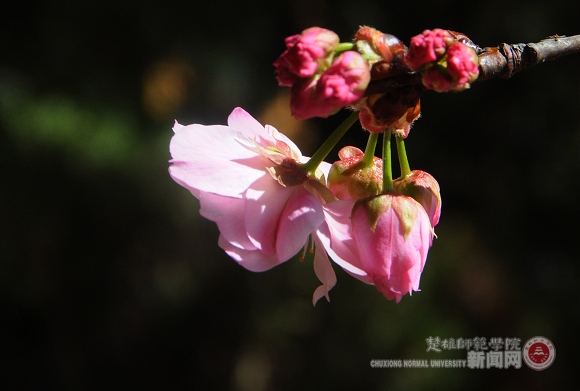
(370, 149)
(311, 166)
(387, 168)
(402, 154)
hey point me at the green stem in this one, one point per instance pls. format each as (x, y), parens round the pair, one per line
(311, 166)
(369, 157)
(402, 153)
(343, 47)
(387, 169)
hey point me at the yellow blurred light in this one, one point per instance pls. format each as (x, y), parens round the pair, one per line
(166, 85)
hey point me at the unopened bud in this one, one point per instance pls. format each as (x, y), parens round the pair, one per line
(306, 54)
(349, 178)
(423, 188)
(427, 47)
(342, 84)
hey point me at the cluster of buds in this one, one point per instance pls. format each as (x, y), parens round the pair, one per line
(322, 80)
(447, 65)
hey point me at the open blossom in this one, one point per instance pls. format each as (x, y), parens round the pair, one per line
(343, 83)
(247, 181)
(306, 54)
(381, 240)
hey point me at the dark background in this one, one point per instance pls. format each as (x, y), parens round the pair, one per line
(109, 276)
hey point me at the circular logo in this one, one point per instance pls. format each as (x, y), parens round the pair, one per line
(539, 353)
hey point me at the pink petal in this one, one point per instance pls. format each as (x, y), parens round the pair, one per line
(210, 159)
(324, 272)
(394, 260)
(244, 123)
(228, 214)
(337, 238)
(265, 201)
(255, 261)
(300, 217)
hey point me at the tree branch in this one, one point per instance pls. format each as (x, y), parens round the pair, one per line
(503, 61)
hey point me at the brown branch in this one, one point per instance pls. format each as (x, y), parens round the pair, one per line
(507, 60)
(502, 61)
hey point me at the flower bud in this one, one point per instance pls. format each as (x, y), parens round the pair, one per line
(428, 47)
(462, 65)
(455, 71)
(349, 178)
(306, 54)
(392, 235)
(343, 83)
(423, 188)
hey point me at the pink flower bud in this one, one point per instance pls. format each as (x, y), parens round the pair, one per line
(304, 101)
(462, 64)
(427, 47)
(392, 235)
(455, 71)
(424, 189)
(343, 83)
(348, 178)
(306, 54)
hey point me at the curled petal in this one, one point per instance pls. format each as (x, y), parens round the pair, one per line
(324, 272)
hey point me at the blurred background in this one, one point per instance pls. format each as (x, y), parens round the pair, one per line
(109, 276)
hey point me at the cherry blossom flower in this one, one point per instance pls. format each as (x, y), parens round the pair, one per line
(248, 180)
(381, 240)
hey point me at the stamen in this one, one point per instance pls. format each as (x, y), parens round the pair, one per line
(309, 242)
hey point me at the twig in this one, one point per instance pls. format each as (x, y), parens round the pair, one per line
(503, 61)
(507, 60)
